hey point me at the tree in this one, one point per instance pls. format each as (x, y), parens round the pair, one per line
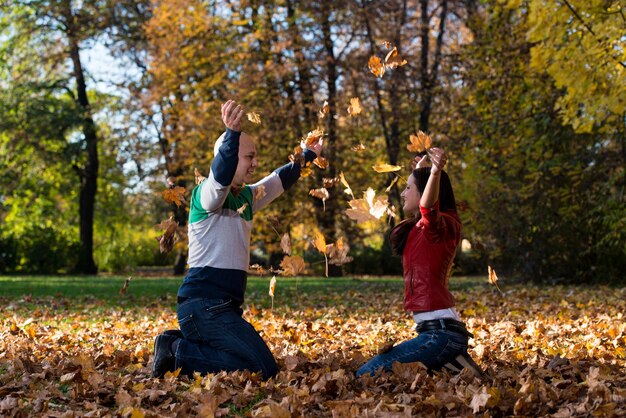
(58, 31)
(524, 174)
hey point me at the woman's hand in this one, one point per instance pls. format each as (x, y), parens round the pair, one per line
(438, 158)
(232, 112)
(419, 162)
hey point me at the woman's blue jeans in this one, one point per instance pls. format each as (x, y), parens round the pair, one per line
(218, 338)
(432, 348)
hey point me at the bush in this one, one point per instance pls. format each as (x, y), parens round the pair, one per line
(40, 250)
(8, 254)
(123, 251)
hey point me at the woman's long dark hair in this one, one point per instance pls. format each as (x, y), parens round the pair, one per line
(400, 232)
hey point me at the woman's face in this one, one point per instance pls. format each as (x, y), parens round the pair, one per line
(411, 197)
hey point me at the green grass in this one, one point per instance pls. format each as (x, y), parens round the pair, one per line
(143, 289)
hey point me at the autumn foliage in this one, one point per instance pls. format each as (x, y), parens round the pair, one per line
(556, 351)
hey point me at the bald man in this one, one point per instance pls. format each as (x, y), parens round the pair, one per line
(213, 335)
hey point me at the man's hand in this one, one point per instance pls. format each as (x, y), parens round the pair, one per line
(316, 147)
(439, 159)
(232, 112)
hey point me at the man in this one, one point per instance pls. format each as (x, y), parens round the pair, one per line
(213, 335)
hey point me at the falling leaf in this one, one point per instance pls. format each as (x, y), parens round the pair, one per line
(292, 265)
(323, 110)
(420, 142)
(348, 190)
(285, 244)
(306, 172)
(386, 168)
(355, 107)
(259, 192)
(394, 60)
(199, 177)
(272, 289)
(321, 162)
(394, 181)
(297, 157)
(242, 208)
(493, 279)
(167, 240)
(258, 268)
(331, 182)
(369, 208)
(175, 195)
(320, 242)
(313, 137)
(254, 117)
(376, 66)
(125, 287)
(358, 148)
(320, 245)
(338, 252)
(320, 193)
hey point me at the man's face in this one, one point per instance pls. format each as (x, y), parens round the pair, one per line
(247, 161)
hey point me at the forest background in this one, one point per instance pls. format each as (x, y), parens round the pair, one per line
(527, 97)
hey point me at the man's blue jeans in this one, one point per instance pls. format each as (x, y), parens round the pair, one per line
(432, 348)
(217, 338)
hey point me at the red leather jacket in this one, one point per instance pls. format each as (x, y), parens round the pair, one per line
(427, 260)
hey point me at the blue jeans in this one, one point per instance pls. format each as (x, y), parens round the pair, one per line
(217, 338)
(431, 348)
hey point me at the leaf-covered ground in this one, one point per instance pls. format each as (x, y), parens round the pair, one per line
(548, 351)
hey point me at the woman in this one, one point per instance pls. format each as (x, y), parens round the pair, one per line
(427, 243)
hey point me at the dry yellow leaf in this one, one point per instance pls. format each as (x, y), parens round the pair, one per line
(285, 244)
(348, 190)
(355, 107)
(320, 193)
(386, 168)
(175, 195)
(330, 182)
(292, 265)
(242, 208)
(321, 162)
(394, 181)
(199, 177)
(259, 192)
(394, 60)
(272, 286)
(420, 142)
(323, 110)
(254, 117)
(376, 66)
(320, 242)
(313, 137)
(297, 157)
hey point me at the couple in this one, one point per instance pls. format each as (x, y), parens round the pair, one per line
(213, 335)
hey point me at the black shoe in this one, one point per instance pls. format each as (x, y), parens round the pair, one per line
(175, 332)
(164, 360)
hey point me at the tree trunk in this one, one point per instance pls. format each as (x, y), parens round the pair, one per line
(89, 173)
(304, 80)
(429, 78)
(424, 79)
(327, 218)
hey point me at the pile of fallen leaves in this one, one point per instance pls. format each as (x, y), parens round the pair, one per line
(555, 351)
